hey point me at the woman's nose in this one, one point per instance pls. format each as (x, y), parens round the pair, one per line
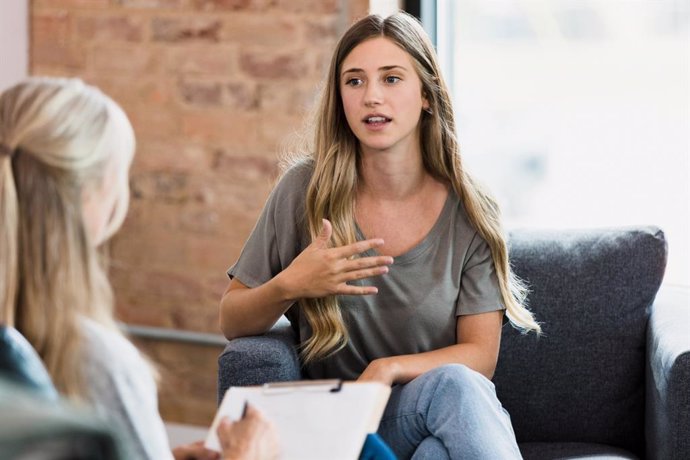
(373, 94)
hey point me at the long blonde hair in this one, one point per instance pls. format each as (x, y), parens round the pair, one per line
(58, 137)
(333, 151)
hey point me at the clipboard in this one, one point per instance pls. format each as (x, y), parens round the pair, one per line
(314, 419)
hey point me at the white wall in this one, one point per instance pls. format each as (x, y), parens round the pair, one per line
(14, 41)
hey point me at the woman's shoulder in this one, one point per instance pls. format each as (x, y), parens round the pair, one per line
(296, 175)
(108, 351)
(289, 193)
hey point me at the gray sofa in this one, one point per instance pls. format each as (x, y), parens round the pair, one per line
(610, 377)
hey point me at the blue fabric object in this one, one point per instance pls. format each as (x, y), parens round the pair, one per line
(457, 406)
(20, 364)
(376, 449)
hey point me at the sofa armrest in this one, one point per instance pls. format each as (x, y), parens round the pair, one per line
(668, 376)
(271, 357)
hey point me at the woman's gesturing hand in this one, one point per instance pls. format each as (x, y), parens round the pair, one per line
(320, 271)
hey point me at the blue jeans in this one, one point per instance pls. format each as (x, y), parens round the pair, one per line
(450, 412)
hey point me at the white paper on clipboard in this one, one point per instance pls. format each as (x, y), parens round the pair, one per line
(314, 419)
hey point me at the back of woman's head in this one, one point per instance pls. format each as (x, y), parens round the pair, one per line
(59, 139)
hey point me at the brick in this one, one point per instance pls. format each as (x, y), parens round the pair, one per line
(69, 57)
(261, 30)
(201, 221)
(36, 4)
(202, 59)
(262, 64)
(220, 127)
(309, 6)
(50, 26)
(176, 157)
(292, 100)
(245, 168)
(152, 4)
(148, 249)
(159, 185)
(150, 91)
(51, 43)
(152, 284)
(121, 59)
(152, 123)
(321, 63)
(176, 30)
(320, 30)
(110, 28)
(221, 5)
(248, 195)
(357, 9)
(241, 95)
(196, 317)
(210, 255)
(200, 93)
(278, 130)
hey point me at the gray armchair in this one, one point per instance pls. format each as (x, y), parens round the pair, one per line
(610, 377)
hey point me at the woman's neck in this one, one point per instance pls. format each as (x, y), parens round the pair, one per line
(388, 175)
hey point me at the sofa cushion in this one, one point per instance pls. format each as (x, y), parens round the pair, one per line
(572, 451)
(271, 357)
(583, 380)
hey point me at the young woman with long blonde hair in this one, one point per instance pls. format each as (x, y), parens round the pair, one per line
(388, 258)
(65, 152)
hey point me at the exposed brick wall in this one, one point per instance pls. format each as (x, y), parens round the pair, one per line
(212, 87)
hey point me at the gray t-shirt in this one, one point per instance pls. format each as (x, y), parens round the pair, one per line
(449, 273)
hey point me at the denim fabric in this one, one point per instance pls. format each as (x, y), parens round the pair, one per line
(448, 412)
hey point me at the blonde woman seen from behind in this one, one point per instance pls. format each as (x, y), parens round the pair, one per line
(65, 153)
(387, 257)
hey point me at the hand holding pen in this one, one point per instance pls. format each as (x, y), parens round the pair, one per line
(253, 437)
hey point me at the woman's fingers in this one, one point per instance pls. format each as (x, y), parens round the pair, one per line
(364, 273)
(346, 289)
(368, 262)
(359, 247)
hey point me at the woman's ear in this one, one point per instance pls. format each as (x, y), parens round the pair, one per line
(426, 106)
(425, 102)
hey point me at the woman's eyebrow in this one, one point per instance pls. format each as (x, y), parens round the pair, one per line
(384, 68)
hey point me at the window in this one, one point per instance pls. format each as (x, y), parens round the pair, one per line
(575, 113)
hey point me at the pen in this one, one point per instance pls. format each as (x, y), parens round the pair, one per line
(244, 409)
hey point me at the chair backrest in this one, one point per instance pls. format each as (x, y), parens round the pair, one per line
(34, 421)
(583, 380)
(20, 363)
(34, 428)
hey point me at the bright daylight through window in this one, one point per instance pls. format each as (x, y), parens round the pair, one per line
(576, 113)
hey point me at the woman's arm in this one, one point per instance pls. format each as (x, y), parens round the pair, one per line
(318, 271)
(479, 340)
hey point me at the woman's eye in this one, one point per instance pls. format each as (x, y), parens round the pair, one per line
(354, 82)
(392, 79)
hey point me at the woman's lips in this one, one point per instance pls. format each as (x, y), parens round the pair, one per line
(376, 122)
